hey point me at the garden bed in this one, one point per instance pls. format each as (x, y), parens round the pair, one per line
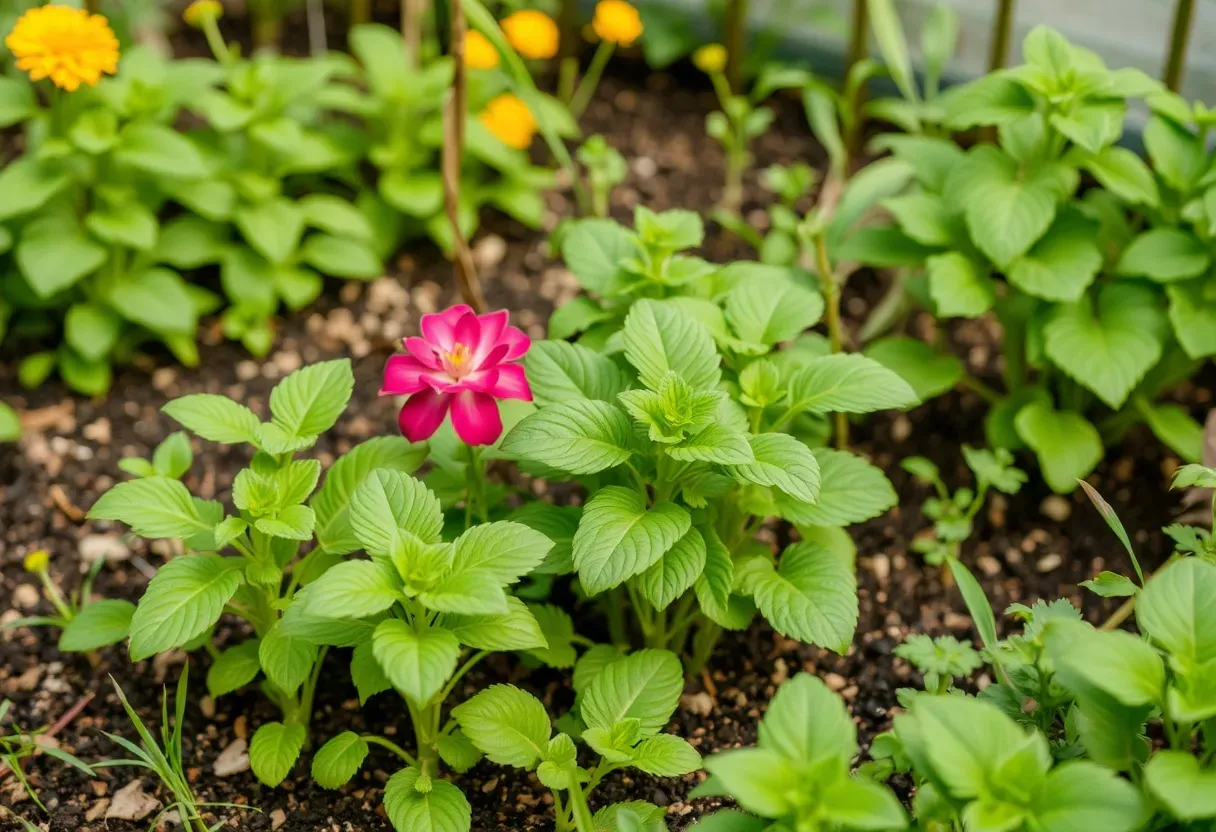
(1029, 546)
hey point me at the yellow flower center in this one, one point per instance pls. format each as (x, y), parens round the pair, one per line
(458, 356)
(617, 21)
(532, 34)
(69, 46)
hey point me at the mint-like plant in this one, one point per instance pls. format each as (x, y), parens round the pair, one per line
(250, 561)
(420, 612)
(623, 704)
(691, 443)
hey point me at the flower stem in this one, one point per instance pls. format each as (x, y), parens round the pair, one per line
(586, 89)
(832, 292)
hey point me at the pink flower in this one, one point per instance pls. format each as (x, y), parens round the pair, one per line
(459, 364)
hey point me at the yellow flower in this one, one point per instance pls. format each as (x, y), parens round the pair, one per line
(69, 46)
(201, 10)
(510, 120)
(710, 58)
(617, 21)
(37, 560)
(479, 53)
(533, 34)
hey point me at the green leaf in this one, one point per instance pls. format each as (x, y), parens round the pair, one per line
(1178, 155)
(387, 502)
(341, 257)
(715, 587)
(287, 660)
(292, 523)
(182, 602)
(660, 338)
(92, 378)
(958, 286)
(505, 550)
(423, 804)
(508, 725)
(665, 755)
(339, 760)
(1062, 264)
(619, 537)
(847, 383)
(557, 631)
(1111, 585)
(215, 418)
(416, 194)
(761, 781)
(808, 723)
(1068, 446)
(366, 673)
(457, 751)
(857, 803)
(189, 242)
(559, 372)
(234, 668)
(811, 596)
(923, 217)
(1176, 779)
(332, 503)
(92, 330)
(1084, 795)
(53, 256)
(928, 372)
(476, 592)
(1193, 317)
(990, 100)
(418, 664)
(579, 436)
(274, 749)
(154, 507)
(872, 184)
(717, 443)
(782, 462)
(159, 150)
(851, 491)
(1175, 610)
(653, 818)
(97, 625)
(352, 589)
(645, 686)
(126, 224)
(1173, 425)
(10, 424)
(1110, 351)
(17, 101)
(516, 629)
(675, 572)
(28, 183)
(1117, 663)
(1125, 174)
(336, 216)
(594, 250)
(1165, 255)
(894, 46)
(273, 228)
(309, 401)
(1007, 210)
(770, 312)
(157, 299)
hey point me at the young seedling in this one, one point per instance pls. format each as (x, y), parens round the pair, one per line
(605, 168)
(19, 746)
(940, 660)
(734, 127)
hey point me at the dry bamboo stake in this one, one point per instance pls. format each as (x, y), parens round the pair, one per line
(463, 269)
(1175, 62)
(411, 30)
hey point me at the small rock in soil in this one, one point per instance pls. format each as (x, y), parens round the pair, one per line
(232, 760)
(700, 703)
(1056, 507)
(97, 809)
(131, 802)
(95, 547)
(277, 818)
(1049, 563)
(25, 597)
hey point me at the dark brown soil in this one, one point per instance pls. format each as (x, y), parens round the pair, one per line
(69, 456)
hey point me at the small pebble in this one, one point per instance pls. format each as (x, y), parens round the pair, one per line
(1049, 563)
(1056, 507)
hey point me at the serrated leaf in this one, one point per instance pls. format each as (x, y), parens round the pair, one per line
(558, 631)
(286, 660)
(812, 597)
(508, 725)
(506, 550)
(847, 383)
(851, 491)
(97, 625)
(660, 338)
(332, 503)
(366, 673)
(717, 443)
(772, 311)
(154, 507)
(665, 755)
(928, 372)
(387, 502)
(559, 371)
(339, 760)
(1063, 263)
(645, 686)
(353, 589)
(1108, 350)
(619, 537)
(181, 603)
(675, 572)
(516, 629)
(310, 400)
(458, 751)
(475, 592)
(274, 749)
(441, 807)
(215, 418)
(234, 668)
(1165, 255)
(582, 437)
(418, 664)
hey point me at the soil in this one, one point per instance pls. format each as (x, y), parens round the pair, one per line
(1030, 546)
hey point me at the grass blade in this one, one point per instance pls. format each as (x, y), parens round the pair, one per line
(1108, 514)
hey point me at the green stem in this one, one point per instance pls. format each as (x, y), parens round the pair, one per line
(54, 595)
(459, 674)
(582, 813)
(215, 41)
(1002, 34)
(375, 739)
(617, 630)
(586, 88)
(1180, 36)
(736, 36)
(706, 640)
(835, 337)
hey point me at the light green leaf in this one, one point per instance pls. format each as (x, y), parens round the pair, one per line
(97, 625)
(675, 572)
(387, 502)
(665, 755)
(159, 150)
(1175, 609)
(811, 596)
(1165, 255)
(1062, 264)
(234, 668)
(437, 807)
(619, 537)
(216, 418)
(958, 286)
(770, 312)
(505, 550)
(474, 592)
(1193, 317)
(341, 257)
(808, 723)
(847, 383)
(594, 250)
(782, 462)
(336, 216)
(516, 629)
(457, 751)
(287, 660)
(91, 330)
(1068, 446)
(339, 760)
(661, 338)
(928, 372)
(309, 401)
(1117, 663)
(579, 436)
(717, 443)
(645, 686)
(559, 371)
(352, 589)
(851, 491)
(274, 749)
(291, 523)
(990, 100)
(923, 217)
(1125, 174)
(366, 673)
(1175, 778)
(53, 256)
(508, 725)
(28, 183)
(182, 602)
(158, 299)
(1084, 795)
(272, 228)
(154, 507)
(761, 781)
(418, 664)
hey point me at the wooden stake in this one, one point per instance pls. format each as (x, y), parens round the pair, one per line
(1175, 62)
(1002, 34)
(463, 269)
(736, 38)
(411, 30)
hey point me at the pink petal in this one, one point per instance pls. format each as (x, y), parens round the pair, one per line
(440, 329)
(492, 326)
(475, 418)
(517, 343)
(403, 376)
(423, 414)
(424, 352)
(480, 381)
(494, 358)
(510, 382)
(468, 332)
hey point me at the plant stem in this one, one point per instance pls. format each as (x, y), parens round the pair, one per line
(463, 270)
(411, 30)
(215, 41)
(1002, 34)
(835, 337)
(582, 814)
(568, 23)
(703, 644)
(1175, 64)
(736, 37)
(586, 88)
(616, 617)
(360, 12)
(267, 29)
(375, 739)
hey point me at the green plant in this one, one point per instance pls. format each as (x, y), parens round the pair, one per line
(606, 168)
(940, 660)
(265, 567)
(700, 436)
(623, 703)
(17, 747)
(798, 775)
(953, 514)
(10, 424)
(409, 611)
(164, 758)
(735, 126)
(1082, 297)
